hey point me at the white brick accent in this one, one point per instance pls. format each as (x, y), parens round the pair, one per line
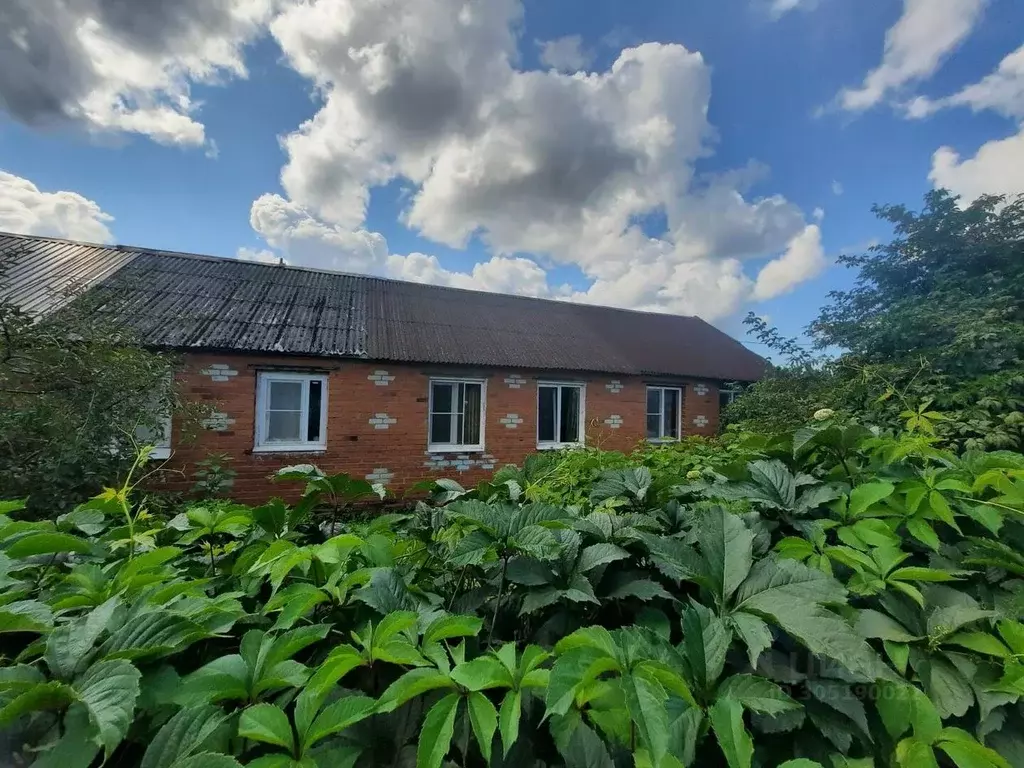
(511, 420)
(381, 475)
(700, 389)
(614, 386)
(614, 421)
(218, 422)
(381, 378)
(219, 372)
(515, 381)
(700, 421)
(382, 421)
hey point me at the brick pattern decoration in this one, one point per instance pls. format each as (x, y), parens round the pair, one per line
(379, 431)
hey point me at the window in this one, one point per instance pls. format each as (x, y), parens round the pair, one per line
(291, 412)
(158, 435)
(663, 412)
(559, 415)
(159, 438)
(727, 393)
(456, 415)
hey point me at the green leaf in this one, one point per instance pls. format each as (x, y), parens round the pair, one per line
(757, 694)
(645, 701)
(209, 760)
(902, 707)
(754, 633)
(109, 690)
(47, 544)
(337, 717)
(484, 720)
(75, 748)
(40, 697)
(914, 753)
(980, 642)
(966, 752)
(800, 763)
(181, 736)
(947, 687)
(436, 733)
(865, 496)
(26, 616)
(152, 635)
(643, 589)
(706, 641)
(726, 545)
(790, 593)
(69, 643)
(481, 673)
(922, 530)
(508, 719)
(266, 723)
(410, 685)
(726, 718)
(447, 627)
(875, 624)
(599, 554)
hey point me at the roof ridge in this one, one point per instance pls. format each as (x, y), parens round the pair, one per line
(142, 250)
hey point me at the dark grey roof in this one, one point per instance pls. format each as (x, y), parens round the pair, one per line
(185, 301)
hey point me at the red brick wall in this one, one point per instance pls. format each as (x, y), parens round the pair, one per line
(397, 455)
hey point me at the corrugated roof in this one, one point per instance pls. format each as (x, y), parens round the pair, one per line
(186, 301)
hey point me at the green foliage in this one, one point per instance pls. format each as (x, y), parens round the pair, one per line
(931, 335)
(75, 393)
(830, 597)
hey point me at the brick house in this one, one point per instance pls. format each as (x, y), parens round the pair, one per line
(389, 380)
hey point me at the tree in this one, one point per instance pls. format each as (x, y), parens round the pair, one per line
(935, 320)
(76, 392)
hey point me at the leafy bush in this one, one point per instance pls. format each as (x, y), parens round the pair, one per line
(74, 391)
(935, 316)
(836, 597)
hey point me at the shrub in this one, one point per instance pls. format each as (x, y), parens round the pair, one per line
(74, 392)
(836, 597)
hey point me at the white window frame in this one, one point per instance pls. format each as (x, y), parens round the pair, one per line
(162, 450)
(263, 380)
(455, 447)
(731, 392)
(679, 416)
(552, 445)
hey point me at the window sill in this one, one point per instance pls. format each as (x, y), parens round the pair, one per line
(160, 454)
(558, 446)
(291, 448)
(456, 448)
(662, 440)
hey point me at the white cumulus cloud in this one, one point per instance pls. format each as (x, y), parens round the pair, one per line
(915, 46)
(1001, 91)
(803, 260)
(996, 169)
(121, 67)
(545, 167)
(27, 210)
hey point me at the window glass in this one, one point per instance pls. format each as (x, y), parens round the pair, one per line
(546, 414)
(284, 426)
(456, 413)
(654, 414)
(671, 397)
(559, 414)
(570, 415)
(316, 400)
(471, 414)
(664, 405)
(286, 395)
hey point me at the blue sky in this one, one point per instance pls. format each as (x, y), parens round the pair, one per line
(561, 145)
